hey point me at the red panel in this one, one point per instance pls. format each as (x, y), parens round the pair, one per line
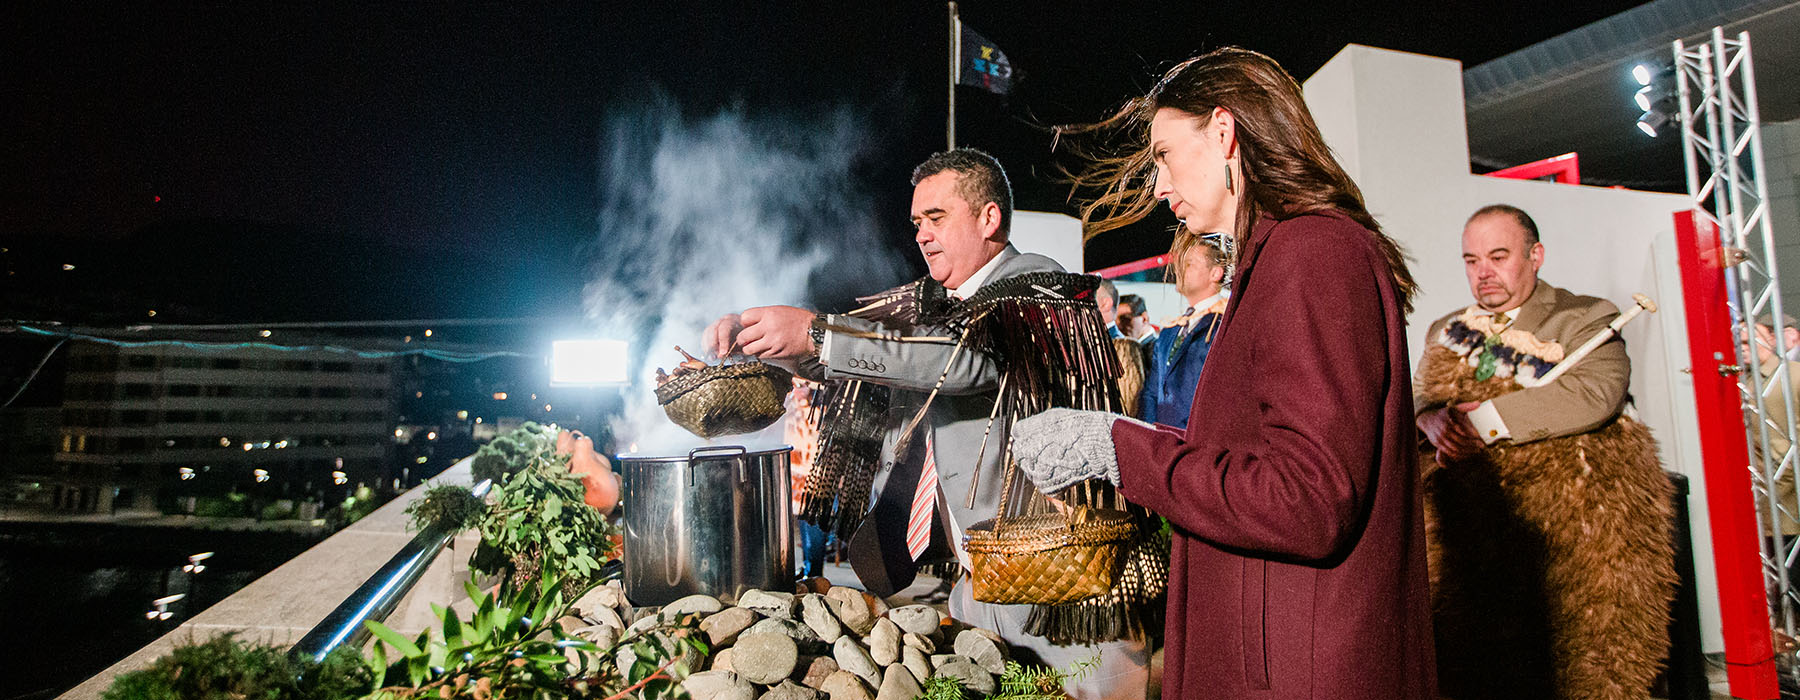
(1130, 267)
(1744, 607)
(1565, 169)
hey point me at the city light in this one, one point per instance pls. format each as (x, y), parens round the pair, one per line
(399, 432)
(262, 475)
(266, 333)
(194, 566)
(428, 332)
(224, 442)
(67, 267)
(587, 362)
(161, 609)
(546, 407)
(421, 459)
(153, 313)
(478, 420)
(462, 415)
(431, 435)
(187, 473)
(282, 445)
(339, 478)
(248, 447)
(499, 396)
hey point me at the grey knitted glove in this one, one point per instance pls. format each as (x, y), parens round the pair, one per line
(1062, 446)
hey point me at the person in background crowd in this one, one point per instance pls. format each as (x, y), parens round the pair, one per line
(1107, 298)
(1180, 350)
(1134, 319)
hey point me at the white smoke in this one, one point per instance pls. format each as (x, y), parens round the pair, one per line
(705, 216)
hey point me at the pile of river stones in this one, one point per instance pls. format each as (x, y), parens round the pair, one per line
(825, 642)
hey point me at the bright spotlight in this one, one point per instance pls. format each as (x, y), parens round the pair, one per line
(587, 362)
(1641, 73)
(1643, 97)
(1651, 122)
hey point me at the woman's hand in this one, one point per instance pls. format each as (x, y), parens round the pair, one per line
(1062, 447)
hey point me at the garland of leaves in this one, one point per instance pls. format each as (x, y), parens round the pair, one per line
(533, 522)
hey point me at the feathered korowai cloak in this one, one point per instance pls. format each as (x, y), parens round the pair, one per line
(1046, 337)
(1551, 561)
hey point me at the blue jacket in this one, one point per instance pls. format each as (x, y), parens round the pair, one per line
(1174, 370)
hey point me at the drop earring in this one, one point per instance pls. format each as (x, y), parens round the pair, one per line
(1229, 189)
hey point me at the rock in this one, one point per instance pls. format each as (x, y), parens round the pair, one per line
(917, 619)
(718, 685)
(770, 604)
(817, 670)
(816, 613)
(723, 627)
(852, 657)
(643, 624)
(884, 642)
(844, 685)
(987, 654)
(920, 642)
(852, 608)
(609, 596)
(569, 623)
(605, 616)
(801, 634)
(788, 691)
(915, 661)
(696, 603)
(816, 584)
(972, 677)
(764, 658)
(897, 683)
(941, 659)
(602, 636)
(722, 661)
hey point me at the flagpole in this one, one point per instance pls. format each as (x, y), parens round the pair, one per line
(955, 66)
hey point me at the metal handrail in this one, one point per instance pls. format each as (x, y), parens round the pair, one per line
(377, 597)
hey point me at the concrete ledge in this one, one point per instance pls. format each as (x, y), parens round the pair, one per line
(284, 605)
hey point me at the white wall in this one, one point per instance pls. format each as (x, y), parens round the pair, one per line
(1396, 121)
(1057, 236)
(1781, 162)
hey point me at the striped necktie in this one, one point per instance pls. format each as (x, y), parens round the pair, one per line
(918, 523)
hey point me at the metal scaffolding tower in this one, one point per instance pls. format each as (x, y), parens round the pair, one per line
(1722, 146)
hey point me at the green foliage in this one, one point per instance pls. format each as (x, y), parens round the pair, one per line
(226, 668)
(216, 507)
(512, 648)
(446, 508)
(537, 523)
(277, 511)
(1039, 682)
(513, 452)
(945, 688)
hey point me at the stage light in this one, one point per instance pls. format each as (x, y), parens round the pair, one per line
(1651, 122)
(587, 362)
(1643, 97)
(1641, 73)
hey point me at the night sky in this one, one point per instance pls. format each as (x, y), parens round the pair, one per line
(317, 161)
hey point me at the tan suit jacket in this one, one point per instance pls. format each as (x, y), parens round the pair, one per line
(1582, 399)
(1778, 442)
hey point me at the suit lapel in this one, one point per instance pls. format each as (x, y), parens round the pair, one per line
(1536, 309)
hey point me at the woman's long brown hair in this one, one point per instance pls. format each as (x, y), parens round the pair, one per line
(1285, 167)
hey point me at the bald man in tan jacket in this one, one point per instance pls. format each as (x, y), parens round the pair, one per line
(1502, 255)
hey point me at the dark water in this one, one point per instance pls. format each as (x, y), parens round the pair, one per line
(73, 597)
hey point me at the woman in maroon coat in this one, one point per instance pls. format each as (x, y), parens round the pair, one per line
(1298, 568)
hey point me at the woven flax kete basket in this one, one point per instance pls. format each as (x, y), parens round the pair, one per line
(726, 399)
(1048, 559)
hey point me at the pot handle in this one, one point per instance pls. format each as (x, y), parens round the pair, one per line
(718, 451)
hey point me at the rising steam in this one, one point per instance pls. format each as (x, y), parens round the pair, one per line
(705, 216)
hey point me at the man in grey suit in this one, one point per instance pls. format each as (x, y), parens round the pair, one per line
(962, 210)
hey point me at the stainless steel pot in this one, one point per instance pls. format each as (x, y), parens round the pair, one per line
(716, 521)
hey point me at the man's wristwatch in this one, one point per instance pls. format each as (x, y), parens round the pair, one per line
(818, 333)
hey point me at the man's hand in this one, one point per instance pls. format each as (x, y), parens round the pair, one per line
(776, 332)
(722, 336)
(1450, 431)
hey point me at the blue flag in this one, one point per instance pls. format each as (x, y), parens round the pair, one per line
(983, 65)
